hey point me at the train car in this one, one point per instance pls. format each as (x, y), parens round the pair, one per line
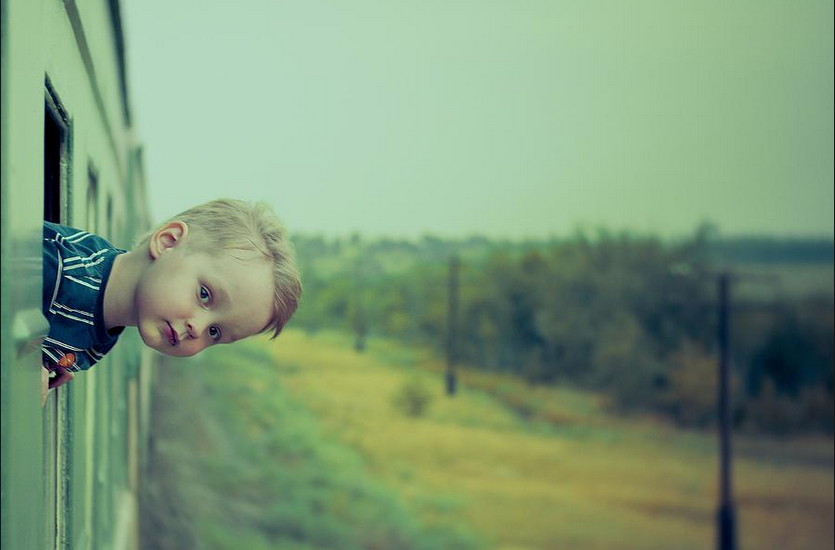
(70, 467)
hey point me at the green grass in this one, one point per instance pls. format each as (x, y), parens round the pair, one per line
(250, 469)
(540, 468)
(300, 444)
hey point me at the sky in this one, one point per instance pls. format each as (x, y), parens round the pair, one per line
(512, 119)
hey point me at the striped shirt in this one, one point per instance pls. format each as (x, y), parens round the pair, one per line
(76, 267)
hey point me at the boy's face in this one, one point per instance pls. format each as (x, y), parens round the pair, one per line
(186, 301)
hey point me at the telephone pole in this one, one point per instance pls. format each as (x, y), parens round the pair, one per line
(726, 515)
(452, 325)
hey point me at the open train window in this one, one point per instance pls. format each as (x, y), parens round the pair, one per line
(56, 431)
(56, 142)
(92, 209)
(109, 216)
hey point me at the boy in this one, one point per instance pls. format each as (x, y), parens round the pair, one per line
(214, 274)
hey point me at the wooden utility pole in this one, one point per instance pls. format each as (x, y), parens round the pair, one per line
(357, 313)
(452, 325)
(726, 516)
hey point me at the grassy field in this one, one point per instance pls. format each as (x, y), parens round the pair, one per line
(299, 444)
(236, 464)
(535, 468)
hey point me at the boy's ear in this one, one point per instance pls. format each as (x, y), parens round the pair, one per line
(167, 237)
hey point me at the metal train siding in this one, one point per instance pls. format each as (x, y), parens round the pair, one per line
(70, 469)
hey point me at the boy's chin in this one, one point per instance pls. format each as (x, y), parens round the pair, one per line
(164, 347)
(154, 339)
(161, 346)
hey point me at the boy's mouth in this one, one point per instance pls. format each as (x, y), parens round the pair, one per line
(172, 335)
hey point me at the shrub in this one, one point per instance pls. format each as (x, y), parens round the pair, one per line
(413, 397)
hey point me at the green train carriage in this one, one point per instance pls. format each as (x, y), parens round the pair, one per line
(71, 468)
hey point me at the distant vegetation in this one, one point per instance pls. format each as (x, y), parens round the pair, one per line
(633, 316)
(773, 250)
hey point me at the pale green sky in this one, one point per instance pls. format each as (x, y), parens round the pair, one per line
(505, 118)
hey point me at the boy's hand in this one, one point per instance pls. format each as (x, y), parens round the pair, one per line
(63, 377)
(48, 382)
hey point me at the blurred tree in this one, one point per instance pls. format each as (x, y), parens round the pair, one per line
(691, 386)
(629, 315)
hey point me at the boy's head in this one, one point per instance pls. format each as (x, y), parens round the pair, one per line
(219, 272)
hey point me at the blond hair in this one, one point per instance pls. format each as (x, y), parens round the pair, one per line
(229, 226)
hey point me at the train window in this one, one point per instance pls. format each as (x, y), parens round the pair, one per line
(56, 430)
(56, 158)
(92, 209)
(90, 386)
(109, 216)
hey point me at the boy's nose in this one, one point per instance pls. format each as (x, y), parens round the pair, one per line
(196, 325)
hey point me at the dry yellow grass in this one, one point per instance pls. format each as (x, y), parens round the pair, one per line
(581, 480)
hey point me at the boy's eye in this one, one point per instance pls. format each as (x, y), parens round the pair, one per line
(214, 333)
(205, 295)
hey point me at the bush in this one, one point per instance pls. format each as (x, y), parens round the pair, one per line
(413, 397)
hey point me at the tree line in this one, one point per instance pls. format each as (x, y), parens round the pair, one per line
(632, 316)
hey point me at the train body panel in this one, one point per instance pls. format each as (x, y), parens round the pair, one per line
(70, 468)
